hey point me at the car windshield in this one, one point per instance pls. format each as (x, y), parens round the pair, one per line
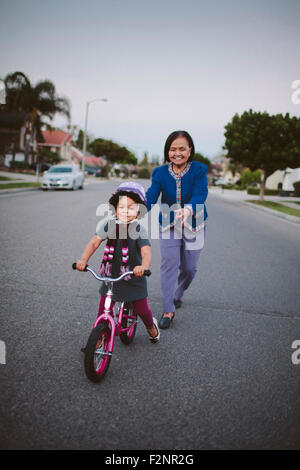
(60, 170)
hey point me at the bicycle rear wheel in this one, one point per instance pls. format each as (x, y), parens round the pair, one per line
(97, 357)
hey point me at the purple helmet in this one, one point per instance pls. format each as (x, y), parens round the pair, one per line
(133, 187)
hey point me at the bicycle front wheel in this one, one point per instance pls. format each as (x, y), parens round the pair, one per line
(97, 358)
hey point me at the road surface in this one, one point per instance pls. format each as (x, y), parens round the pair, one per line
(221, 377)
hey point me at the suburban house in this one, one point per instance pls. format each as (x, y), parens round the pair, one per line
(18, 138)
(290, 177)
(59, 142)
(273, 181)
(90, 160)
(283, 178)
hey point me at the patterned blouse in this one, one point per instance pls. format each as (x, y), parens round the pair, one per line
(185, 189)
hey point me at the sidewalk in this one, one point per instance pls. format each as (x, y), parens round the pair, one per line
(18, 178)
(232, 195)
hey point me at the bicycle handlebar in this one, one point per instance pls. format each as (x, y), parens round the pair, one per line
(147, 272)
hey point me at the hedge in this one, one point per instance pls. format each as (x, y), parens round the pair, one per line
(144, 173)
(268, 192)
(19, 165)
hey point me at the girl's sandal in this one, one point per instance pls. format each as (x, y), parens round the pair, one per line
(154, 339)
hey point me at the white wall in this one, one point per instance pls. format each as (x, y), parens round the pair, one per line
(273, 180)
(291, 177)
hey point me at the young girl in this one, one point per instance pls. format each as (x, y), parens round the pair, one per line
(127, 249)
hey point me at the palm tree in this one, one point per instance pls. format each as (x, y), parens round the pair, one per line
(37, 101)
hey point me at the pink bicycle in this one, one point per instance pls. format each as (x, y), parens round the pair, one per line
(100, 345)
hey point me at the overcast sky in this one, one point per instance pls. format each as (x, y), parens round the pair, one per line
(163, 65)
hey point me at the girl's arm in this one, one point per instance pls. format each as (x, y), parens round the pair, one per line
(89, 250)
(146, 261)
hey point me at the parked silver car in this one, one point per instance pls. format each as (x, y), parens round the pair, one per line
(63, 176)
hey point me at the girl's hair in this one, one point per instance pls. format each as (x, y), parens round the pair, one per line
(135, 197)
(174, 136)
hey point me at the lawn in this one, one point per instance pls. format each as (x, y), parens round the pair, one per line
(19, 185)
(277, 207)
(6, 178)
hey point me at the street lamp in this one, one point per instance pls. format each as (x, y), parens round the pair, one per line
(85, 129)
(2, 92)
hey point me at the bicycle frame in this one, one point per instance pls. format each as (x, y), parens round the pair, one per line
(106, 317)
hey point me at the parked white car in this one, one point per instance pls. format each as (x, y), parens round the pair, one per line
(63, 176)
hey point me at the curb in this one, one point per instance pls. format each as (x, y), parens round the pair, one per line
(22, 190)
(281, 215)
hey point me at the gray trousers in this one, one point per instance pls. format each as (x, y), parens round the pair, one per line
(179, 258)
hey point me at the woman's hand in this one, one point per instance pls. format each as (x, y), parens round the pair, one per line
(183, 214)
(139, 270)
(81, 265)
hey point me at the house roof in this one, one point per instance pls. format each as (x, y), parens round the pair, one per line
(56, 137)
(93, 161)
(90, 160)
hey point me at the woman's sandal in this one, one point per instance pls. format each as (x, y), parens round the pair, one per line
(165, 322)
(177, 303)
(154, 339)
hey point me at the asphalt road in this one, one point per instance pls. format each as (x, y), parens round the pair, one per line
(220, 378)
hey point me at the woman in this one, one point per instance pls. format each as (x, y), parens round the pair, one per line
(182, 183)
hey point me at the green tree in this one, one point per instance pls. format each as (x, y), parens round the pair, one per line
(144, 161)
(261, 141)
(234, 167)
(45, 155)
(248, 177)
(112, 151)
(200, 158)
(37, 101)
(144, 173)
(79, 140)
(155, 160)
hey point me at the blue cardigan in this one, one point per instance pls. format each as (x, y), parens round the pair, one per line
(193, 191)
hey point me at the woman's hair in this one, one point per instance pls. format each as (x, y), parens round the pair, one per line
(174, 136)
(135, 197)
